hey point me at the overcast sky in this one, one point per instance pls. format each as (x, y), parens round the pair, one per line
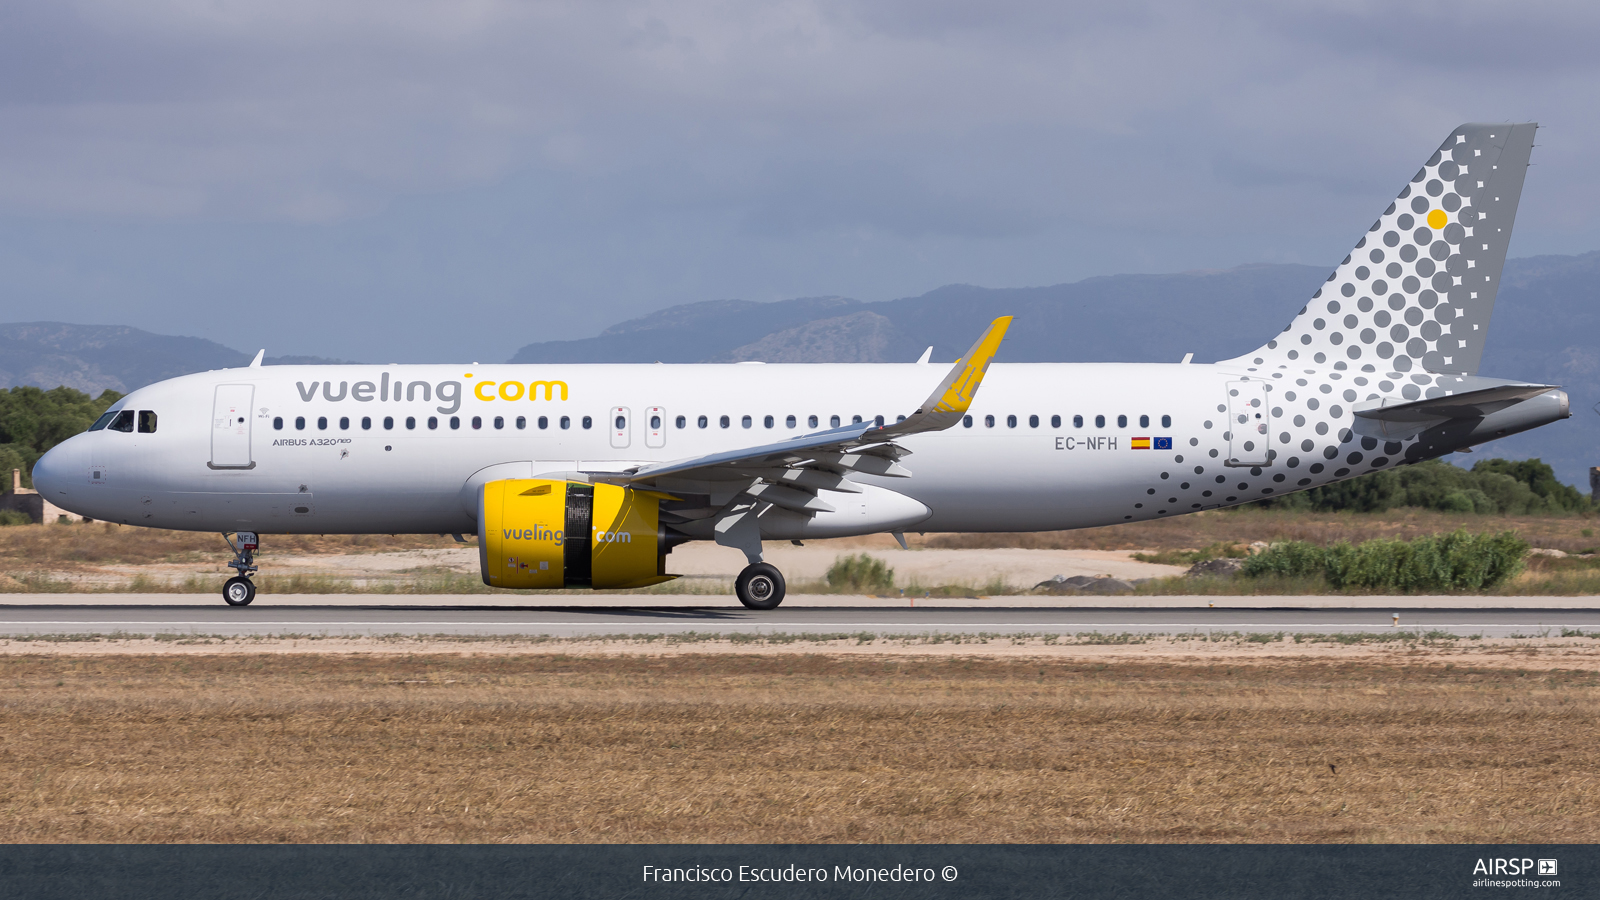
(412, 181)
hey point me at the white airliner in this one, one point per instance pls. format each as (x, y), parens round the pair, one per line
(588, 475)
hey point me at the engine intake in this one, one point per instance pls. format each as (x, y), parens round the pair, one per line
(538, 533)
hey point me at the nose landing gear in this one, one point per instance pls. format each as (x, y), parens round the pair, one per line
(240, 590)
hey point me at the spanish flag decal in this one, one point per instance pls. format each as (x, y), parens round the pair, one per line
(1141, 443)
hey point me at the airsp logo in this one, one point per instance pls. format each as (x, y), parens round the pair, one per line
(1499, 866)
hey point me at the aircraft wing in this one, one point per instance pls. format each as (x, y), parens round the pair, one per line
(789, 473)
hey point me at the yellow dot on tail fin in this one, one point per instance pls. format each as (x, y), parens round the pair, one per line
(1437, 219)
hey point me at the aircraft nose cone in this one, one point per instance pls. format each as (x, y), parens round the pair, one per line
(50, 473)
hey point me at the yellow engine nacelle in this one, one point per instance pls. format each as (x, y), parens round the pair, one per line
(536, 533)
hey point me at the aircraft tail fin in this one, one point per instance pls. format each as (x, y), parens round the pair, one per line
(1419, 288)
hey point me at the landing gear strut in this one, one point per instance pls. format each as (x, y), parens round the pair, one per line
(760, 586)
(240, 590)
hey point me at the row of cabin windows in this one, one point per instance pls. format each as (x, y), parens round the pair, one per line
(126, 420)
(1077, 421)
(543, 422)
(767, 421)
(565, 422)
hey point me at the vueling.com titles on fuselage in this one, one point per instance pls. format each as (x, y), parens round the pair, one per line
(448, 392)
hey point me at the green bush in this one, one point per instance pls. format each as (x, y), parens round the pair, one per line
(860, 573)
(12, 517)
(1453, 562)
(1291, 559)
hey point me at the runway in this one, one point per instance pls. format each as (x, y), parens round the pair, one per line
(569, 622)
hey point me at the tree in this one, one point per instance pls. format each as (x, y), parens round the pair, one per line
(33, 420)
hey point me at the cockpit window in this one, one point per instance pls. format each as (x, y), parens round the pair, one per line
(103, 421)
(147, 421)
(123, 421)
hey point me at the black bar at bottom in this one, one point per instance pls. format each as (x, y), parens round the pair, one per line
(571, 871)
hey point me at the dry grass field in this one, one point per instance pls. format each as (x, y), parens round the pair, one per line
(792, 748)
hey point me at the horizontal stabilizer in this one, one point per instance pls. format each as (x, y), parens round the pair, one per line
(1470, 405)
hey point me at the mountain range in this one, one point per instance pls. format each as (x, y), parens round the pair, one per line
(94, 358)
(1546, 329)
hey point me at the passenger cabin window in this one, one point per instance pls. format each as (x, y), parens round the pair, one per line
(433, 423)
(966, 421)
(105, 419)
(1099, 421)
(811, 422)
(366, 423)
(566, 422)
(702, 421)
(1011, 421)
(768, 421)
(833, 421)
(724, 422)
(988, 421)
(855, 420)
(621, 424)
(1144, 421)
(878, 421)
(588, 422)
(683, 422)
(655, 423)
(1055, 421)
(1033, 421)
(477, 422)
(455, 421)
(411, 422)
(1122, 421)
(388, 423)
(123, 421)
(147, 421)
(746, 421)
(299, 423)
(1077, 421)
(322, 423)
(277, 423)
(1166, 421)
(344, 423)
(789, 422)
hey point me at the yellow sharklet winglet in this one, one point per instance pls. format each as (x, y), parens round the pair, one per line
(961, 385)
(950, 400)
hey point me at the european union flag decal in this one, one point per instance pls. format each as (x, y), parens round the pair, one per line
(1162, 443)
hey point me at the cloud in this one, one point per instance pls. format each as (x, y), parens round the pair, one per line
(758, 149)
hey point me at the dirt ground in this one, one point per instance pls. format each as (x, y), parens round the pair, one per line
(796, 747)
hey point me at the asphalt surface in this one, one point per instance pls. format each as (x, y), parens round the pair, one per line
(352, 620)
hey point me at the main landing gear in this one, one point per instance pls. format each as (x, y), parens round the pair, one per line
(760, 586)
(240, 590)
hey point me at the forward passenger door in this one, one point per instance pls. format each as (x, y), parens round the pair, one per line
(230, 427)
